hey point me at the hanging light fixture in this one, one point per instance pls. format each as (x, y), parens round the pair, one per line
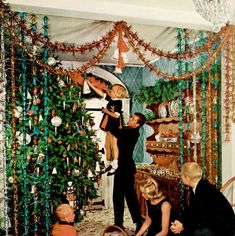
(217, 12)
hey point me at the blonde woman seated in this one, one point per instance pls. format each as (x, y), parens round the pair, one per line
(158, 210)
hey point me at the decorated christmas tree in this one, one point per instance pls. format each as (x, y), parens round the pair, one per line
(51, 152)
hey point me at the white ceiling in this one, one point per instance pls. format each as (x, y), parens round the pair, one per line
(89, 19)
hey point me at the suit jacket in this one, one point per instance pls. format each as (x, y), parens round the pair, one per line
(208, 208)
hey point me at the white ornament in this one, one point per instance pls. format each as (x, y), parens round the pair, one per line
(30, 124)
(33, 189)
(29, 95)
(61, 83)
(21, 136)
(86, 88)
(56, 121)
(35, 49)
(117, 70)
(11, 179)
(97, 167)
(18, 111)
(51, 61)
(90, 174)
(40, 118)
(54, 171)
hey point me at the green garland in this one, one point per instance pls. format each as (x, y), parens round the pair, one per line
(160, 92)
(181, 144)
(45, 105)
(25, 176)
(202, 59)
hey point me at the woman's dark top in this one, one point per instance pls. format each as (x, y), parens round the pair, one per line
(155, 214)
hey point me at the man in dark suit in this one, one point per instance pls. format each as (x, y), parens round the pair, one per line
(124, 178)
(209, 213)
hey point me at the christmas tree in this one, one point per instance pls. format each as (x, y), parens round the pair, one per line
(51, 155)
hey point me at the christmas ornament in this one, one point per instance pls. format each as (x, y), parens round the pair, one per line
(33, 189)
(97, 167)
(29, 95)
(40, 159)
(18, 111)
(90, 174)
(35, 49)
(40, 118)
(11, 179)
(51, 61)
(86, 88)
(23, 137)
(54, 171)
(76, 172)
(56, 121)
(61, 83)
(117, 70)
(82, 212)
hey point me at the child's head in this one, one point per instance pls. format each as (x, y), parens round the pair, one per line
(64, 212)
(118, 91)
(149, 189)
(191, 172)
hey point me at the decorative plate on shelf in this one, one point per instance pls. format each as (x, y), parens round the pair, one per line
(174, 108)
(162, 110)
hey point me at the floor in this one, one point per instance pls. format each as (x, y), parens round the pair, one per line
(96, 221)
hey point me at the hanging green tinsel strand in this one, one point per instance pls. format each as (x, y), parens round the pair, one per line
(45, 105)
(35, 108)
(217, 123)
(202, 59)
(187, 49)
(181, 145)
(25, 176)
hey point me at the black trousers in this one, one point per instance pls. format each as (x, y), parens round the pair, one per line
(124, 189)
(203, 232)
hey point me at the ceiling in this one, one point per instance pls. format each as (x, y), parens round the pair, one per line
(83, 21)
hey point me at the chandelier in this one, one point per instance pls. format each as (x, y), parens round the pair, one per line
(217, 12)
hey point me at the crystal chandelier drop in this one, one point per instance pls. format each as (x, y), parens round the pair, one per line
(216, 12)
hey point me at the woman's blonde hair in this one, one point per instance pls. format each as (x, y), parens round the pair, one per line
(121, 92)
(150, 187)
(63, 210)
(192, 170)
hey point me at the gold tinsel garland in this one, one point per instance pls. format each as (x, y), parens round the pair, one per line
(133, 36)
(185, 76)
(232, 59)
(62, 72)
(129, 34)
(14, 139)
(135, 42)
(58, 46)
(107, 40)
(228, 83)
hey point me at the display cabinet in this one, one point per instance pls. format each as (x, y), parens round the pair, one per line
(169, 184)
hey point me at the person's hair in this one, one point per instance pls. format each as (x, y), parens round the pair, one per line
(63, 210)
(141, 118)
(121, 91)
(150, 187)
(192, 170)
